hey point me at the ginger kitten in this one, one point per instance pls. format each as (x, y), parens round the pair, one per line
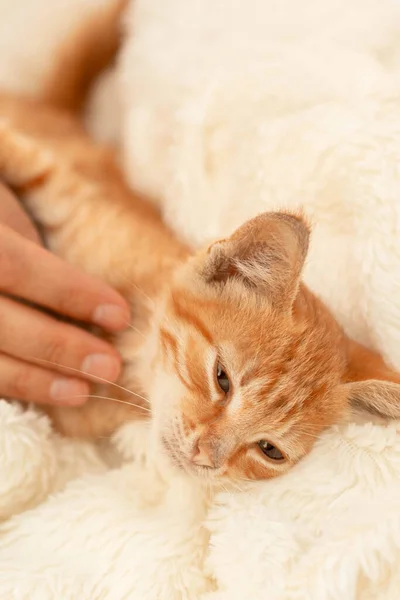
(242, 366)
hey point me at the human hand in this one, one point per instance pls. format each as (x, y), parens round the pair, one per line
(34, 345)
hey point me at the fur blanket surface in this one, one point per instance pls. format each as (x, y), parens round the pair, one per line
(228, 108)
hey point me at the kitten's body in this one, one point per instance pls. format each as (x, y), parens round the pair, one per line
(75, 191)
(237, 308)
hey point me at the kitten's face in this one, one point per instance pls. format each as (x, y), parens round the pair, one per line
(250, 366)
(242, 390)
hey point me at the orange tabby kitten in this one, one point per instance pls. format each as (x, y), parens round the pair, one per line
(242, 366)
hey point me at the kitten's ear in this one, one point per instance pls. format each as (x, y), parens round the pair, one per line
(372, 385)
(380, 398)
(267, 254)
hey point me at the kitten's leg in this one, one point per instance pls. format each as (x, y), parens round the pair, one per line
(97, 418)
(22, 163)
(25, 165)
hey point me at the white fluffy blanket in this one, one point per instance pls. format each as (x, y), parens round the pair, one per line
(230, 107)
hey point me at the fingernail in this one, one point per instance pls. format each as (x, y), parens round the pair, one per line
(102, 365)
(111, 316)
(69, 391)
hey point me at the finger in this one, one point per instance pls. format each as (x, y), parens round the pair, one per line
(12, 215)
(31, 272)
(30, 335)
(22, 381)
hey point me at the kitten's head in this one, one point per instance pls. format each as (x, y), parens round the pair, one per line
(250, 366)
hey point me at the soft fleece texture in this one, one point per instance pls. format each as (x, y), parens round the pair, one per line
(233, 107)
(228, 111)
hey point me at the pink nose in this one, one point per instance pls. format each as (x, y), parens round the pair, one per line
(201, 456)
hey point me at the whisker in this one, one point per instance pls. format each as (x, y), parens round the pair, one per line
(96, 377)
(139, 289)
(209, 489)
(316, 437)
(237, 486)
(109, 398)
(303, 432)
(136, 330)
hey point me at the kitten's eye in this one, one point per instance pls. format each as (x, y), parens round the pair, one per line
(271, 451)
(222, 379)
